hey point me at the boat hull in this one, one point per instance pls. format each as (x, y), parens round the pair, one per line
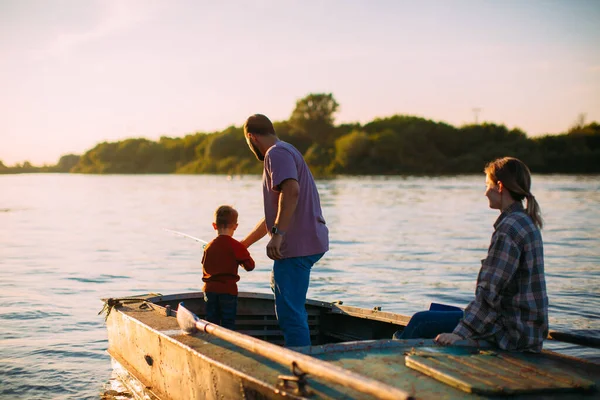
(167, 369)
(145, 340)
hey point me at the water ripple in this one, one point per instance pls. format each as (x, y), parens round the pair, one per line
(30, 315)
(396, 242)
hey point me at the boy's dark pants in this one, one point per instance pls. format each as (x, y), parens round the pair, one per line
(221, 309)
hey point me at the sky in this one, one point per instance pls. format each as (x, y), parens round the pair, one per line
(74, 73)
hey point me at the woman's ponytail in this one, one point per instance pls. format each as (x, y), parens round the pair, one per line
(534, 211)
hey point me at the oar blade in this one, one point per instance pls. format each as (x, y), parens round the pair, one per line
(186, 320)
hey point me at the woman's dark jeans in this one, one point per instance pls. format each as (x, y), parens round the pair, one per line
(428, 324)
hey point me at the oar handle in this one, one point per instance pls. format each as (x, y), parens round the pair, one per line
(282, 355)
(574, 338)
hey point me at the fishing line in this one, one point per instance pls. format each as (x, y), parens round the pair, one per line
(187, 236)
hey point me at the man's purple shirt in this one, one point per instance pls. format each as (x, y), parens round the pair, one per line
(307, 233)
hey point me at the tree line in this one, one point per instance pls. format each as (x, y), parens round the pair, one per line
(398, 144)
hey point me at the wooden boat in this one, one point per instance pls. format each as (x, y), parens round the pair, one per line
(352, 357)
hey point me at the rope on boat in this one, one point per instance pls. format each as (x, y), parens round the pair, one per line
(117, 302)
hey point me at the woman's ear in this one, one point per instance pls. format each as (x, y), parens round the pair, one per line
(499, 187)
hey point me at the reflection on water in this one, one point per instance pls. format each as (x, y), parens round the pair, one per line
(397, 242)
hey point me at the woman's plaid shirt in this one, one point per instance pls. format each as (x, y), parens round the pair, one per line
(511, 304)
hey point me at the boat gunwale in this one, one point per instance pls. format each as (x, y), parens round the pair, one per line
(334, 308)
(337, 308)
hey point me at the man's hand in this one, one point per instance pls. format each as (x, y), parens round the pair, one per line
(274, 246)
(447, 339)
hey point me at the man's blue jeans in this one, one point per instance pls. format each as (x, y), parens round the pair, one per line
(289, 281)
(428, 324)
(221, 309)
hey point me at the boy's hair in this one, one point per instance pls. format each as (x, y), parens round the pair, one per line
(226, 216)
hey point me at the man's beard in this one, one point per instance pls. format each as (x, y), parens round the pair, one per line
(256, 151)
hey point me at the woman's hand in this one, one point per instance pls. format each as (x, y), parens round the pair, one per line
(447, 339)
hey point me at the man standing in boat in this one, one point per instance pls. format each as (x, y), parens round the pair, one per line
(294, 221)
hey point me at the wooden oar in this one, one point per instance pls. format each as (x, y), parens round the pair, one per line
(574, 338)
(190, 323)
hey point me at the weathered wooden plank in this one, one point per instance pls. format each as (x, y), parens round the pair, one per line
(493, 373)
(558, 377)
(375, 314)
(502, 374)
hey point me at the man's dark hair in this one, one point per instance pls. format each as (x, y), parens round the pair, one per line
(258, 124)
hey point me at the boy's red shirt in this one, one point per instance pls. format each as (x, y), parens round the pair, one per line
(220, 262)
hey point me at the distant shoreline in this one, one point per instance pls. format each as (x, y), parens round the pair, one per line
(400, 145)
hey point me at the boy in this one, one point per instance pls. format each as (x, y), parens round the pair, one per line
(220, 262)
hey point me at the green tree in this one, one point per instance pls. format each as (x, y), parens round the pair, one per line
(313, 117)
(230, 142)
(286, 132)
(351, 152)
(66, 163)
(319, 158)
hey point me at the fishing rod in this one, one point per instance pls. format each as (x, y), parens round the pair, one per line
(187, 236)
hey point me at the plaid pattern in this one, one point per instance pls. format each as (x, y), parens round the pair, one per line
(511, 305)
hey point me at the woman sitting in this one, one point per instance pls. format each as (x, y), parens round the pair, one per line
(510, 309)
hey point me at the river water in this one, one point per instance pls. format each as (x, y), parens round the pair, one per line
(396, 242)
